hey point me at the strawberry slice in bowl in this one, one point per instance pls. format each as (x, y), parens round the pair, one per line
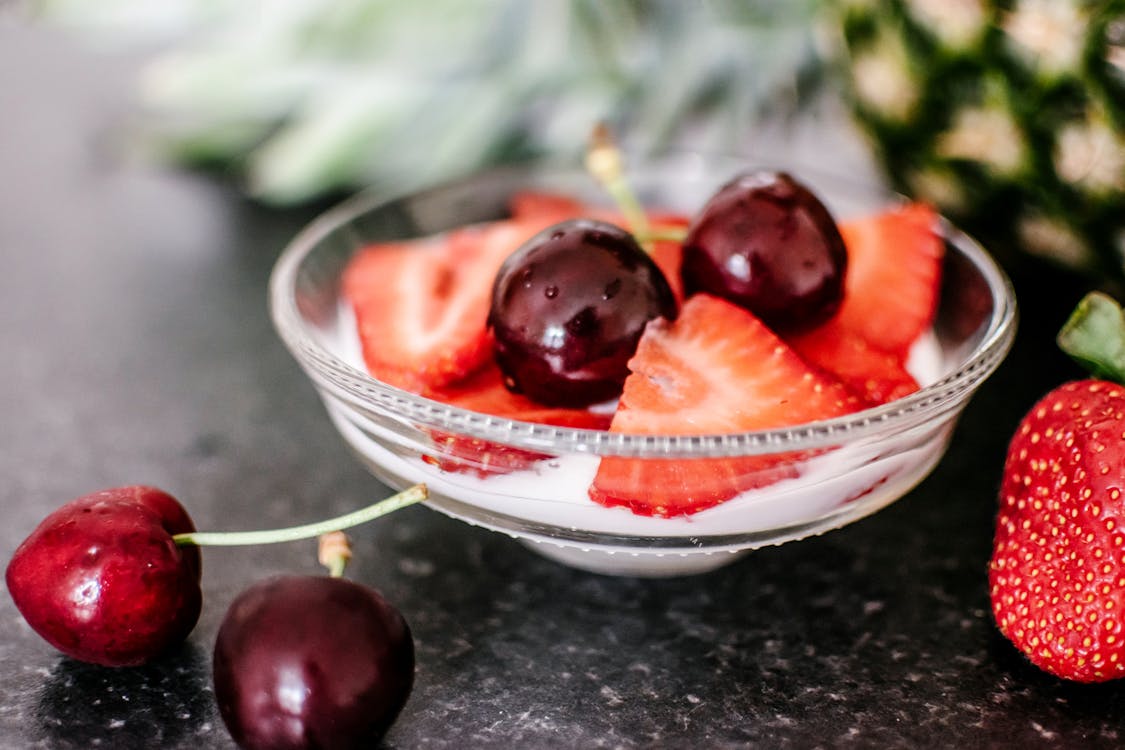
(484, 392)
(421, 305)
(890, 299)
(894, 272)
(716, 370)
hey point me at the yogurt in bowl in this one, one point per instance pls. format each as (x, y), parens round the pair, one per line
(838, 470)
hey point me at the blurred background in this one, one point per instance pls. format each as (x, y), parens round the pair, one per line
(157, 154)
(1008, 114)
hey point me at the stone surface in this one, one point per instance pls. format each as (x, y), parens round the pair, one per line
(137, 348)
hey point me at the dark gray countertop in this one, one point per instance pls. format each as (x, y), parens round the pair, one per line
(137, 348)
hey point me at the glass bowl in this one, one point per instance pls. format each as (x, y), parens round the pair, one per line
(840, 470)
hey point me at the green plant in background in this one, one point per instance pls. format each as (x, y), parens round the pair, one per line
(304, 97)
(1008, 114)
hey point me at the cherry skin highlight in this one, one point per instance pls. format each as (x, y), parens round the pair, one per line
(766, 243)
(311, 662)
(101, 579)
(568, 308)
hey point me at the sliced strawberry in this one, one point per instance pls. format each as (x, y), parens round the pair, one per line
(894, 270)
(716, 369)
(485, 392)
(398, 292)
(873, 374)
(891, 290)
(421, 306)
(668, 255)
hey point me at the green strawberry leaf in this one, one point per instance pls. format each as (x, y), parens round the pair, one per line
(1094, 336)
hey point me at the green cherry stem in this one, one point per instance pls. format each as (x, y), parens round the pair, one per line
(664, 234)
(407, 497)
(604, 162)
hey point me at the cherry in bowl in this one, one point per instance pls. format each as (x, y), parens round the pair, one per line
(568, 308)
(767, 243)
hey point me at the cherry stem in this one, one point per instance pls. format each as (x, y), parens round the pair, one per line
(407, 497)
(334, 551)
(664, 234)
(604, 162)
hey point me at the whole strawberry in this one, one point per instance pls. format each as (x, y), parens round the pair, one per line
(1057, 573)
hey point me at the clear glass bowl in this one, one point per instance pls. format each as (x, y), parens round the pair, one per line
(843, 469)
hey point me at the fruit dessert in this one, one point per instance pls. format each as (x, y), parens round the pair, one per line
(759, 311)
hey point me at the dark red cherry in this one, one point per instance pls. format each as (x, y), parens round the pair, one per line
(568, 308)
(766, 243)
(101, 579)
(311, 662)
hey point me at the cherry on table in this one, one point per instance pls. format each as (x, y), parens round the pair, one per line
(311, 662)
(102, 580)
(112, 578)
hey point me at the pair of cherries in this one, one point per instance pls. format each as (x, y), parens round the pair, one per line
(569, 306)
(113, 578)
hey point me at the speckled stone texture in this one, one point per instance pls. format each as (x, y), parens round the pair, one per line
(137, 348)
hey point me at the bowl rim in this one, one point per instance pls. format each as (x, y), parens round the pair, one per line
(360, 390)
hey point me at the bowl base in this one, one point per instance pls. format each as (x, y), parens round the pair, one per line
(634, 564)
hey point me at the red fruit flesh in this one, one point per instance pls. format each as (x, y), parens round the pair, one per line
(668, 256)
(894, 272)
(311, 662)
(877, 376)
(421, 305)
(485, 392)
(716, 369)
(101, 579)
(891, 292)
(1057, 575)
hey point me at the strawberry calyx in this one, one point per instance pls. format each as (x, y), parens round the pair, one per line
(1094, 336)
